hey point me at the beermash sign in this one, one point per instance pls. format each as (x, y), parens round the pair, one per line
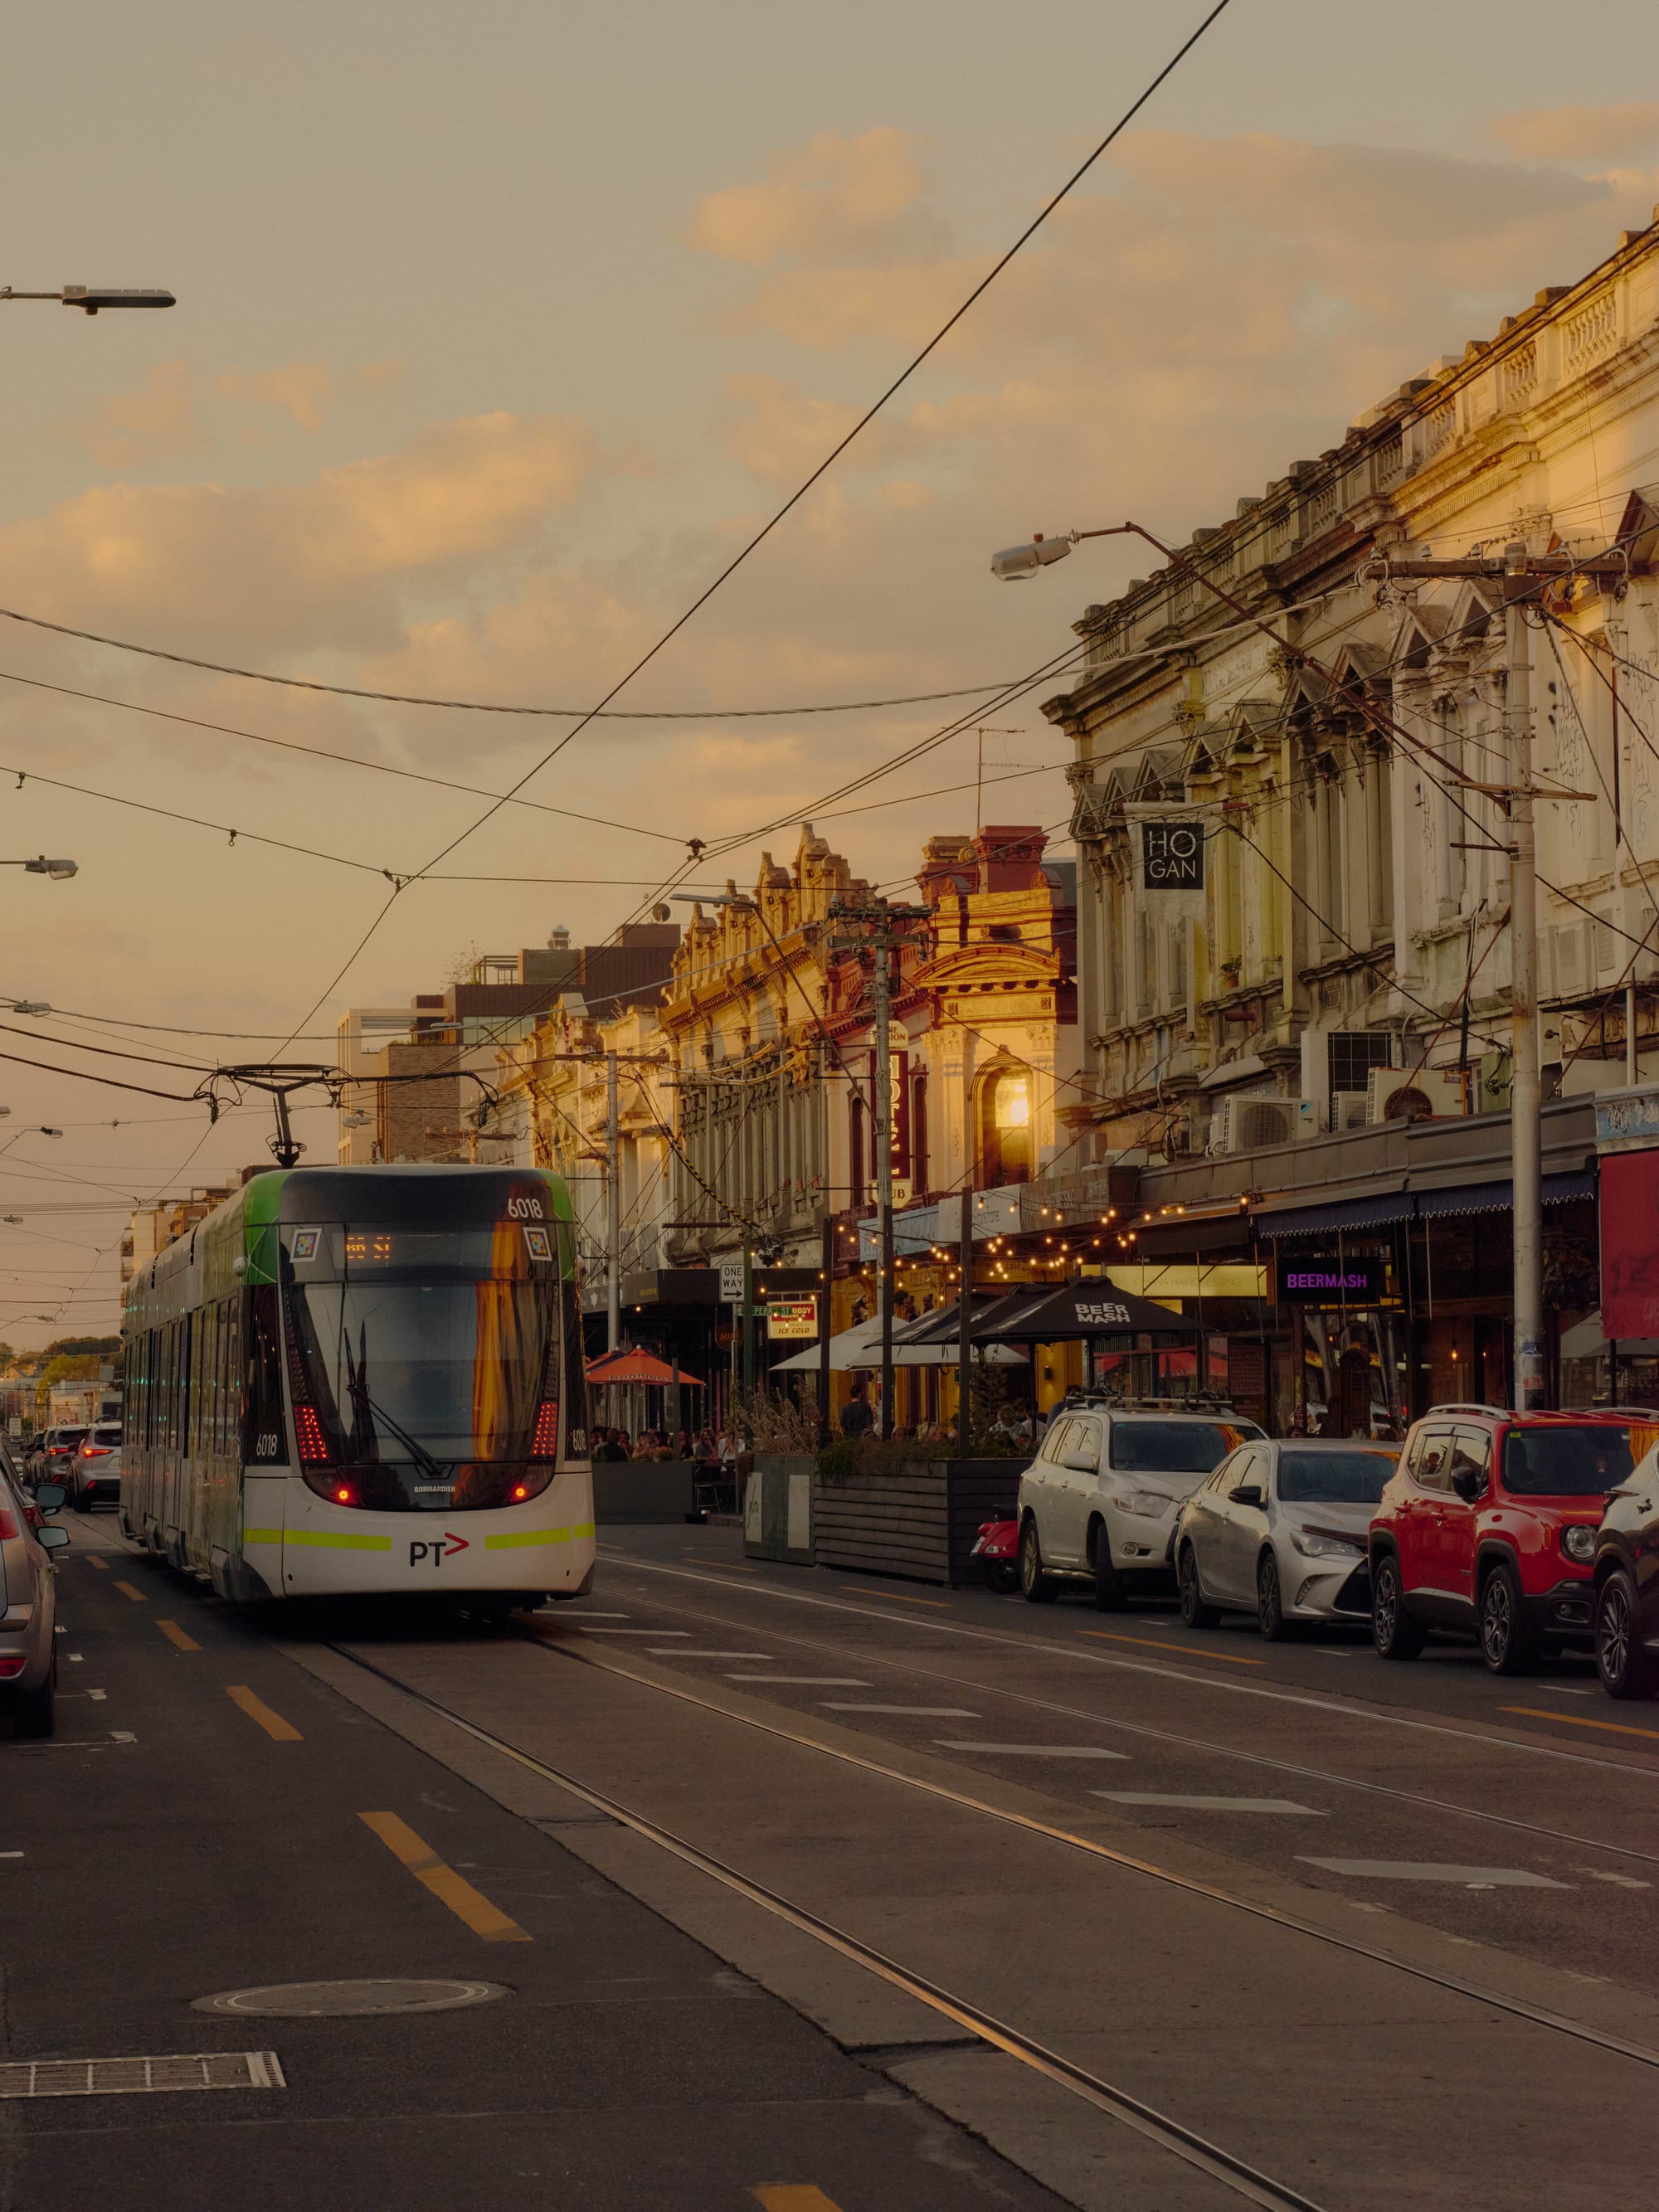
(1172, 854)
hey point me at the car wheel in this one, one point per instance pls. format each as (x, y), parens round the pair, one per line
(1504, 1645)
(34, 1712)
(1035, 1587)
(1626, 1670)
(1194, 1612)
(1111, 1591)
(1269, 1601)
(1393, 1632)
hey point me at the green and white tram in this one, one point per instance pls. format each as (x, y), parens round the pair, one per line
(355, 1380)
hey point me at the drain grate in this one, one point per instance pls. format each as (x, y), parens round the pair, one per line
(138, 2077)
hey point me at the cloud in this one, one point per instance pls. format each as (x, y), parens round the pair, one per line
(324, 562)
(177, 412)
(159, 421)
(836, 199)
(1580, 134)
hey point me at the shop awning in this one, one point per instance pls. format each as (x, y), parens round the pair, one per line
(1499, 1197)
(1357, 1212)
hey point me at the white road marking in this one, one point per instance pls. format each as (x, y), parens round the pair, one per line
(808, 1681)
(73, 1656)
(585, 1615)
(122, 1735)
(1032, 1750)
(582, 1626)
(1209, 1804)
(1622, 1880)
(98, 1694)
(695, 1651)
(1564, 1690)
(1468, 1877)
(11, 1855)
(930, 1712)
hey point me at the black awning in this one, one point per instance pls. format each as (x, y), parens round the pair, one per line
(1089, 1307)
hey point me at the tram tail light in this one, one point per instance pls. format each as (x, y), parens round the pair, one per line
(545, 1443)
(314, 1444)
(343, 1494)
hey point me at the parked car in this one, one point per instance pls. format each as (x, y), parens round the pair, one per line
(1625, 1576)
(1280, 1530)
(28, 1611)
(1489, 1528)
(1099, 1502)
(97, 1467)
(53, 1454)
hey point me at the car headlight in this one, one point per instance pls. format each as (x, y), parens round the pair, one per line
(1578, 1542)
(1312, 1546)
(1148, 1503)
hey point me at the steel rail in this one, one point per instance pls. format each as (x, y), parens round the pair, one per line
(1183, 2142)
(1188, 1742)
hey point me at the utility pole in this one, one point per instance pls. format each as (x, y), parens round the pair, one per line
(612, 1211)
(886, 933)
(748, 1319)
(1522, 576)
(965, 1321)
(1525, 1095)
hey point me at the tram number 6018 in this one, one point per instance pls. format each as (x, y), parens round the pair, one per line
(268, 1444)
(524, 1209)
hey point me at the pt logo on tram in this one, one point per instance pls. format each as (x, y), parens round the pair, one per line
(435, 1550)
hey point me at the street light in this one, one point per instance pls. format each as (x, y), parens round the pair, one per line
(25, 1006)
(90, 297)
(1016, 563)
(59, 870)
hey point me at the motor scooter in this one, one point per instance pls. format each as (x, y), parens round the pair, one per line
(997, 1548)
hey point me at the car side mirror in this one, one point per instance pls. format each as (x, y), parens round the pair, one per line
(1082, 1463)
(51, 1539)
(49, 1496)
(1469, 1483)
(1248, 1493)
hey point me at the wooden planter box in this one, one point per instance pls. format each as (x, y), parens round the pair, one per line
(918, 1520)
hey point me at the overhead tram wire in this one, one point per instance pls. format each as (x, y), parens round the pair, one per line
(841, 445)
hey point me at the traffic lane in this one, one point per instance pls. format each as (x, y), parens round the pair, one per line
(1180, 1769)
(1449, 1681)
(1530, 1752)
(1142, 1981)
(627, 2062)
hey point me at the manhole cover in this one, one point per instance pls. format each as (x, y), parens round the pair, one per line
(347, 2000)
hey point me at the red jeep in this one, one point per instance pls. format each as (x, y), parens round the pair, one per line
(1488, 1525)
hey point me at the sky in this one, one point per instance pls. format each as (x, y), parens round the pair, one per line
(500, 328)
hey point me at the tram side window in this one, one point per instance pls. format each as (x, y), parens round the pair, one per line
(264, 1433)
(576, 1372)
(235, 1380)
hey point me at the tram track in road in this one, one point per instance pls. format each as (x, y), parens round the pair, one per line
(1237, 2174)
(1191, 1743)
(1054, 1646)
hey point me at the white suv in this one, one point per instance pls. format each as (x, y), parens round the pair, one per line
(1099, 1502)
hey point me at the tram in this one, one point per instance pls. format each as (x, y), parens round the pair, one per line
(365, 1379)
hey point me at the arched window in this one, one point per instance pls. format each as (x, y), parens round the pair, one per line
(919, 1160)
(1005, 1126)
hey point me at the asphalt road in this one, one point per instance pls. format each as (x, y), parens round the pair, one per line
(804, 1874)
(211, 1818)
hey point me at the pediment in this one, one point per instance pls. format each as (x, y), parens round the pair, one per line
(967, 967)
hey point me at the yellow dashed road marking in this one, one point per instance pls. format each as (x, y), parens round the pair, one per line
(257, 1710)
(1171, 1652)
(127, 1589)
(794, 2196)
(449, 1887)
(175, 1634)
(93, 1560)
(1576, 1720)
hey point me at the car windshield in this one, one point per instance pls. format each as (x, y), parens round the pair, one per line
(1585, 1459)
(107, 1436)
(1151, 1446)
(1334, 1477)
(62, 1438)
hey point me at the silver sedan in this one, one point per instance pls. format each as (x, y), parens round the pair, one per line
(1279, 1530)
(29, 1662)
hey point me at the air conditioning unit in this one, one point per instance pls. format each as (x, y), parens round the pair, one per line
(1414, 1094)
(1254, 1124)
(1350, 1109)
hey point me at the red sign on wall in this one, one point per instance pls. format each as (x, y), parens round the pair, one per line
(1629, 1243)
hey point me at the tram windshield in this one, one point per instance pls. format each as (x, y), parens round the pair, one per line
(426, 1362)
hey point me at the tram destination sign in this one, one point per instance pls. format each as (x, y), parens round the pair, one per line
(1328, 1279)
(1172, 855)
